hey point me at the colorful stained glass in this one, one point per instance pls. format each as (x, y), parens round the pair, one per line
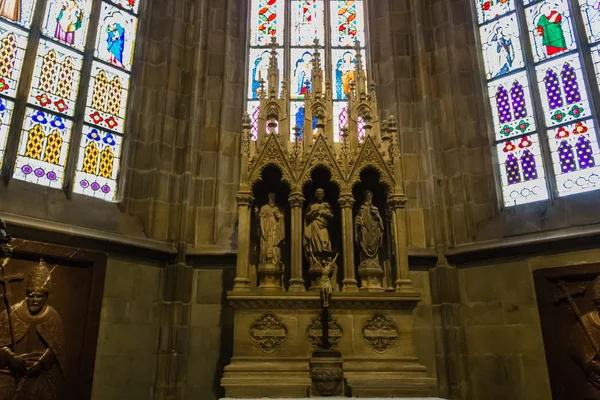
(347, 23)
(55, 78)
(258, 69)
(564, 97)
(491, 9)
(301, 72)
(252, 109)
(575, 155)
(298, 118)
(340, 118)
(510, 98)
(43, 148)
(522, 171)
(18, 11)
(130, 5)
(12, 49)
(66, 21)
(98, 164)
(344, 66)
(116, 37)
(267, 21)
(308, 22)
(501, 47)
(596, 58)
(107, 97)
(551, 28)
(590, 9)
(6, 109)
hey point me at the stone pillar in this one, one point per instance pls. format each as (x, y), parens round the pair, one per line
(349, 283)
(242, 281)
(296, 200)
(397, 204)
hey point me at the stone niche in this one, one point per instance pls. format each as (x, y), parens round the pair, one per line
(76, 289)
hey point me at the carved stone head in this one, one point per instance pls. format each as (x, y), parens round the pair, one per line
(271, 196)
(319, 194)
(368, 197)
(38, 288)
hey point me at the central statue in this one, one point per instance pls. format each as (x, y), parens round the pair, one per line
(316, 233)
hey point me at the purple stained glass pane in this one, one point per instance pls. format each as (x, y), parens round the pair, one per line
(553, 90)
(585, 154)
(570, 84)
(513, 172)
(255, 123)
(517, 96)
(566, 157)
(529, 167)
(503, 105)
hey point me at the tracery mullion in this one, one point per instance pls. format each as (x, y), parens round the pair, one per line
(538, 108)
(327, 45)
(20, 100)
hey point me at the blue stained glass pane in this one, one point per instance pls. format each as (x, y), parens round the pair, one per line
(501, 47)
(590, 10)
(116, 37)
(551, 28)
(344, 66)
(301, 72)
(259, 66)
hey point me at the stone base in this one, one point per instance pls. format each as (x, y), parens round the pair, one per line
(334, 398)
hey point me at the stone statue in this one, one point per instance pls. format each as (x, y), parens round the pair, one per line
(368, 232)
(584, 340)
(272, 232)
(32, 343)
(316, 233)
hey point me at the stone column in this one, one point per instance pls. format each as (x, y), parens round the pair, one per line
(349, 283)
(296, 200)
(397, 204)
(242, 281)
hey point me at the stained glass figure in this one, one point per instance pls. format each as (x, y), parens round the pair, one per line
(551, 28)
(590, 9)
(347, 22)
(567, 157)
(298, 118)
(501, 47)
(490, 9)
(18, 11)
(521, 171)
(107, 97)
(98, 164)
(258, 69)
(12, 49)
(43, 148)
(267, 21)
(301, 72)
(116, 37)
(307, 22)
(344, 65)
(6, 109)
(130, 5)
(564, 96)
(55, 78)
(66, 21)
(512, 107)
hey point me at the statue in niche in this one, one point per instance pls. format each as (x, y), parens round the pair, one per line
(316, 233)
(272, 231)
(32, 344)
(368, 232)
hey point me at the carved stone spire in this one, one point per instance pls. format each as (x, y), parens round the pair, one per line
(273, 73)
(360, 76)
(317, 72)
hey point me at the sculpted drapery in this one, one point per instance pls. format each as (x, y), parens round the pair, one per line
(316, 223)
(368, 229)
(272, 232)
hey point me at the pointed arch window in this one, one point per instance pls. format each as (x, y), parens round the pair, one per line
(73, 60)
(336, 24)
(541, 61)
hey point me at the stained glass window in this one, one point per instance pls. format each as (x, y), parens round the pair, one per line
(6, 109)
(18, 11)
(116, 37)
(543, 129)
(12, 50)
(341, 22)
(66, 21)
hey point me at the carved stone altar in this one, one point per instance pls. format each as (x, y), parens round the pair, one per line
(343, 197)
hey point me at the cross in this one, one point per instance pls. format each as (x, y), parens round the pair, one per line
(5, 281)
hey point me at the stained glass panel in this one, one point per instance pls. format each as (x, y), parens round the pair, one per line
(252, 110)
(267, 21)
(6, 109)
(344, 65)
(576, 157)
(18, 11)
(490, 9)
(55, 78)
(98, 164)
(67, 21)
(512, 108)
(308, 22)
(258, 69)
(347, 22)
(590, 9)
(596, 59)
(501, 47)
(43, 148)
(521, 171)
(12, 49)
(116, 37)
(301, 72)
(340, 119)
(131, 5)
(107, 97)
(551, 28)
(564, 96)
(297, 113)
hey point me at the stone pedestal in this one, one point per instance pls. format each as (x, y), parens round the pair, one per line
(326, 373)
(274, 340)
(269, 277)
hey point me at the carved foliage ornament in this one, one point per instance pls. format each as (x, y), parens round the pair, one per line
(369, 156)
(380, 333)
(268, 332)
(271, 155)
(314, 331)
(322, 156)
